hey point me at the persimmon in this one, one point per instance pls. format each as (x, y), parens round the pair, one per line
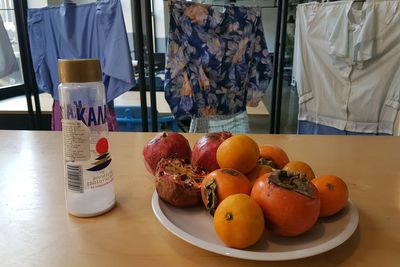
(221, 183)
(289, 201)
(257, 172)
(333, 192)
(239, 221)
(273, 155)
(238, 152)
(300, 166)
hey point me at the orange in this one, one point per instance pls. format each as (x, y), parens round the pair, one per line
(257, 172)
(333, 194)
(221, 183)
(239, 221)
(276, 155)
(300, 166)
(238, 152)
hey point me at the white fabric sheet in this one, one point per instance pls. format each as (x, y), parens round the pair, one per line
(347, 64)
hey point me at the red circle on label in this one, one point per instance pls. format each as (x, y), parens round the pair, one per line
(102, 146)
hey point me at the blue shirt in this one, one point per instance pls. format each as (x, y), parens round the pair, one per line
(217, 60)
(94, 30)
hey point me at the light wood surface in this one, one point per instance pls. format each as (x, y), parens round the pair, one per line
(36, 230)
(18, 105)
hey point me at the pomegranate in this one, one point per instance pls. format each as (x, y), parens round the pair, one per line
(166, 145)
(205, 150)
(177, 183)
(289, 201)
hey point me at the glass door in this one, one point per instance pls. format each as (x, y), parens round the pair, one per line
(289, 99)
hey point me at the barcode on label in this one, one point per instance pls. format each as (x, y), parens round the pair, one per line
(74, 178)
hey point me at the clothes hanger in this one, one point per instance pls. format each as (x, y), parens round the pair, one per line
(232, 4)
(355, 1)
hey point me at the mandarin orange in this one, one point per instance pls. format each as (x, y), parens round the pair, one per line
(238, 152)
(239, 221)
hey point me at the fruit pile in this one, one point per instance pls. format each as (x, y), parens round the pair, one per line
(246, 187)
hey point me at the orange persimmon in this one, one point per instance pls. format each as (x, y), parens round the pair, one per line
(333, 192)
(300, 166)
(289, 201)
(274, 155)
(221, 183)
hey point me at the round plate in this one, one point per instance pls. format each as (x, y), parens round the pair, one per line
(195, 225)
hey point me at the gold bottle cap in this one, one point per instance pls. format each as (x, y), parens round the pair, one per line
(79, 70)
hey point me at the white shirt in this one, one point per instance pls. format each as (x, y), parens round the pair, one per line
(347, 65)
(8, 61)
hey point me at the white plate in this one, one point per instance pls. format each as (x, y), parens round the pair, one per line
(195, 226)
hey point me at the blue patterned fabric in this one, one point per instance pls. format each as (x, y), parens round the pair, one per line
(217, 60)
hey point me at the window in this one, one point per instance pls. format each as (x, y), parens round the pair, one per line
(10, 73)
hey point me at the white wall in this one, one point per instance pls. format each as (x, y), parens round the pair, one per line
(127, 10)
(37, 3)
(159, 18)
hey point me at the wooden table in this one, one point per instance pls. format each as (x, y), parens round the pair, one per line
(36, 230)
(18, 105)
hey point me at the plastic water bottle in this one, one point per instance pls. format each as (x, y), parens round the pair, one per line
(89, 180)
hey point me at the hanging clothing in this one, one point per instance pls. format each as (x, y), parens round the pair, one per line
(217, 62)
(8, 61)
(307, 127)
(236, 123)
(94, 30)
(346, 65)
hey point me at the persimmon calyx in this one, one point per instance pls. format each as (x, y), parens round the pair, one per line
(210, 189)
(293, 181)
(265, 161)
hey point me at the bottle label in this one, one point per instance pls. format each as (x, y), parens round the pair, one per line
(86, 155)
(76, 140)
(90, 116)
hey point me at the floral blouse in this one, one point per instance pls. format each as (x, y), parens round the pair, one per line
(217, 60)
